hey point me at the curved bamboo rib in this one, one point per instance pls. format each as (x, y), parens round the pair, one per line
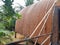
(43, 19)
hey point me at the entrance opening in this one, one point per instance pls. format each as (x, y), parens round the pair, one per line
(59, 24)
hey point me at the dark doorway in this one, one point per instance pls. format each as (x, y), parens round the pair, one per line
(59, 24)
(56, 27)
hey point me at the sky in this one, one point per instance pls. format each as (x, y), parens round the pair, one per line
(21, 2)
(16, 2)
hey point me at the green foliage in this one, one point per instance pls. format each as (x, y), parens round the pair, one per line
(6, 36)
(8, 16)
(29, 2)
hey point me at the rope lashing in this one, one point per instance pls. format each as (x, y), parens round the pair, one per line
(42, 19)
(41, 29)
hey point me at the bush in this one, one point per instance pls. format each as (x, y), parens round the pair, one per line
(8, 18)
(6, 36)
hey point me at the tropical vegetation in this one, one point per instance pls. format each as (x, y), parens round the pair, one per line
(8, 17)
(6, 36)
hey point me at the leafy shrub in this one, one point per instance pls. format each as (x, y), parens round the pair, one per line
(8, 18)
(6, 36)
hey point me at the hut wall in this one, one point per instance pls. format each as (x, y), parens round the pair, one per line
(31, 16)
